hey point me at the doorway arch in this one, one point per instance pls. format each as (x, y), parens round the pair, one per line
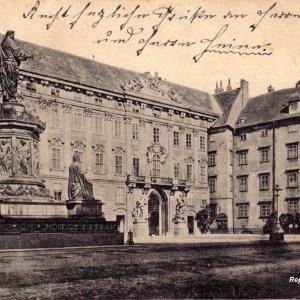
(158, 213)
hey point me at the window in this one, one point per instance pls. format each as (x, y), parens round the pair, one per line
(120, 199)
(212, 159)
(243, 182)
(188, 140)
(264, 181)
(292, 179)
(136, 166)
(293, 128)
(292, 151)
(56, 158)
(293, 205)
(156, 135)
(243, 157)
(202, 143)
(176, 170)
(294, 106)
(176, 138)
(243, 210)
(265, 210)
(99, 163)
(135, 131)
(55, 120)
(57, 195)
(264, 133)
(212, 138)
(243, 137)
(202, 174)
(98, 125)
(30, 87)
(231, 157)
(55, 92)
(118, 132)
(78, 121)
(118, 165)
(204, 202)
(264, 154)
(212, 183)
(189, 176)
(156, 166)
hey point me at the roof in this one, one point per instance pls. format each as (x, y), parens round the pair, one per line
(267, 108)
(57, 64)
(226, 101)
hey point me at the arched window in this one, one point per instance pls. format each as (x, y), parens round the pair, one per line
(156, 166)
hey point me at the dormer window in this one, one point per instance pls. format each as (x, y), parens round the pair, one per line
(294, 107)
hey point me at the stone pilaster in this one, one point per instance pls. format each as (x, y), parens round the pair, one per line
(110, 162)
(89, 132)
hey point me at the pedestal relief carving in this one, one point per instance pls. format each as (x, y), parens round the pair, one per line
(5, 157)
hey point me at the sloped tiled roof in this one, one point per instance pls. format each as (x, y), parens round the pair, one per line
(57, 64)
(225, 100)
(267, 107)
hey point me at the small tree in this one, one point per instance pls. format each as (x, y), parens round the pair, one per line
(204, 219)
(269, 226)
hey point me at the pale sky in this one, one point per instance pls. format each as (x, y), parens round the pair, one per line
(278, 32)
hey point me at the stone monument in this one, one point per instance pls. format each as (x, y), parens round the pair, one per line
(180, 218)
(82, 202)
(22, 192)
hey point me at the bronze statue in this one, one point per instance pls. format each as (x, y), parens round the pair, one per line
(79, 187)
(11, 57)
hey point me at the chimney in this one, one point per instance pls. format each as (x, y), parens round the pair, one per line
(219, 89)
(229, 88)
(270, 89)
(244, 91)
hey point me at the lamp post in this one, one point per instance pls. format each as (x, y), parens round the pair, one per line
(277, 232)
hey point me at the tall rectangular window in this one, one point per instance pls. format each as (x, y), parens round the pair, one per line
(202, 143)
(264, 154)
(118, 128)
(118, 165)
(243, 157)
(265, 210)
(264, 181)
(212, 183)
(212, 159)
(243, 181)
(188, 140)
(136, 166)
(292, 151)
(98, 125)
(189, 175)
(56, 158)
(176, 138)
(243, 137)
(135, 131)
(293, 206)
(202, 174)
(99, 163)
(176, 170)
(243, 210)
(292, 179)
(78, 121)
(156, 135)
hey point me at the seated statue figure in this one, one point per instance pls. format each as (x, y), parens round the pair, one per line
(79, 187)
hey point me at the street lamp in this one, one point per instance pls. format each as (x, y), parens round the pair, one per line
(277, 232)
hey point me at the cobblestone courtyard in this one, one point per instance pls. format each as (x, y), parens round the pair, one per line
(152, 271)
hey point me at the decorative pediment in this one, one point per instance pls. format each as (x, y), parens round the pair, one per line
(118, 150)
(157, 149)
(202, 161)
(146, 83)
(78, 145)
(99, 148)
(189, 159)
(56, 142)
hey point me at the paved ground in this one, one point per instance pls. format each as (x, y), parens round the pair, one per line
(152, 271)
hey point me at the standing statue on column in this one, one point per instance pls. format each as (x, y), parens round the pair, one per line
(11, 57)
(79, 188)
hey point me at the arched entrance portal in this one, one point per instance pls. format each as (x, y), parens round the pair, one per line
(157, 213)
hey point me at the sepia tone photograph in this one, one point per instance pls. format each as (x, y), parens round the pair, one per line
(149, 149)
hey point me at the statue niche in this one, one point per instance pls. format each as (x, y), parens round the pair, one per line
(79, 188)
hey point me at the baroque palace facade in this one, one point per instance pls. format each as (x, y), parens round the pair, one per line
(142, 140)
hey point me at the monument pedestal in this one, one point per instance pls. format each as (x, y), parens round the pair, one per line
(180, 228)
(140, 229)
(85, 208)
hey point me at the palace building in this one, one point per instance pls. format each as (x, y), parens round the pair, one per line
(142, 140)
